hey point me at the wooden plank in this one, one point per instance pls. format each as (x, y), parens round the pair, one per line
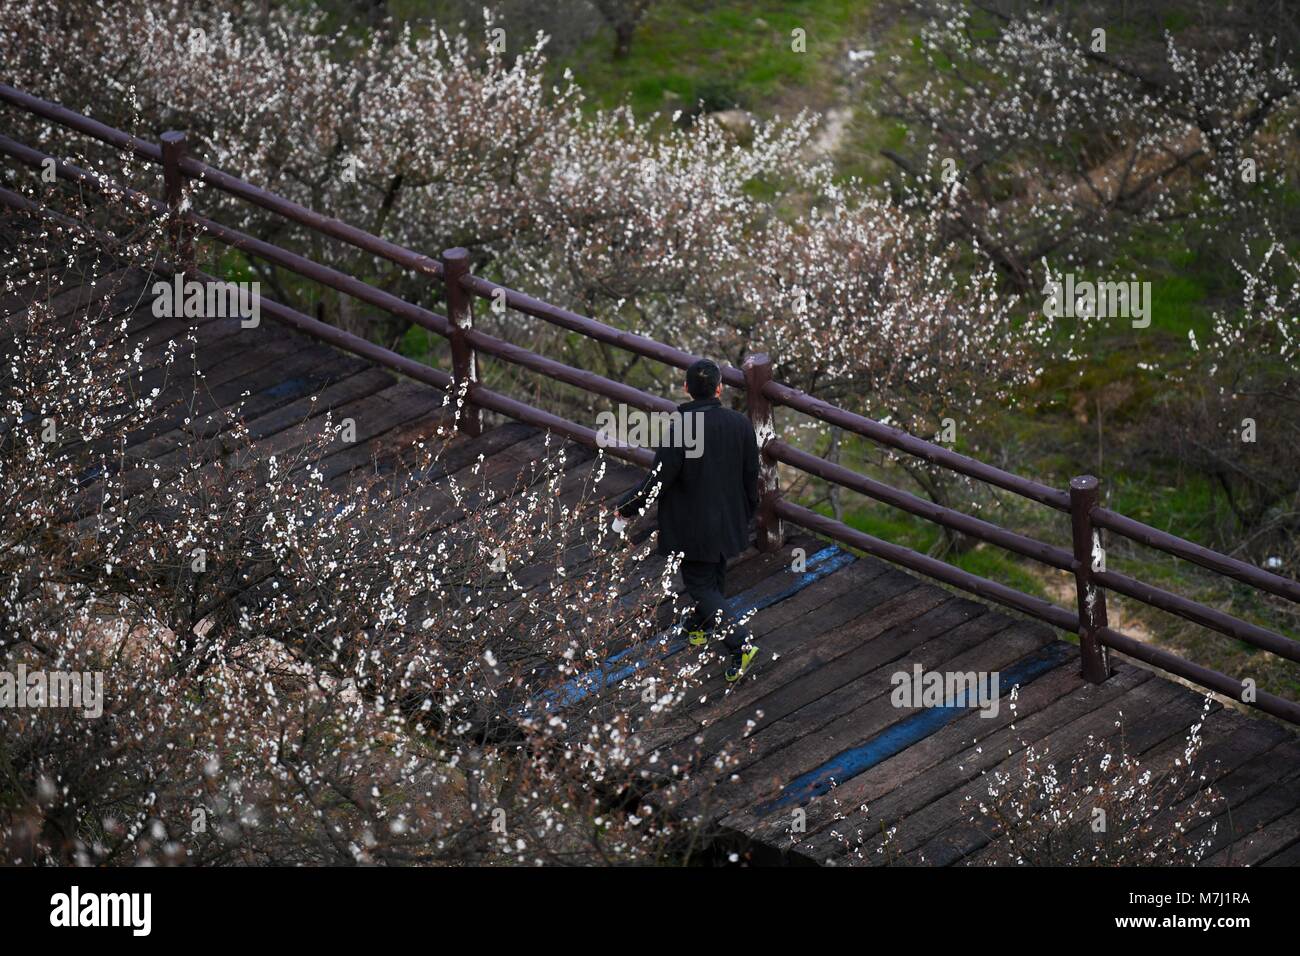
(495, 474)
(13, 332)
(269, 432)
(29, 255)
(97, 297)
(804, 724)
(894, 613)
(28, 270)
(217, 343)
(503, 475)
(284, 432)
(744, 572)
(385, 450)
(1228, 739)
(279, 431)
(411, 472)
(399, 506)
(1290, 856)
(566, 490)
(1259, 792)
(945, 831)
(209, 411)
(1248, 780)
(904, 618)
(136, 379)
(577, 545)
(146, 333)
(849, 664)
(377, 416)
(101, 304)
(1269, 839)
(680, 721)
(660, 654)
(156, 332)
(1034, 707)
(1149, 740)
(191, 407)
(216, 340)
(775, 592)
(862, 709)
(253, 385)
(833, 599)
(746, 575)
(962, 839)
(760, 576)
(499, 481)
(1165, 767)
(855, 838)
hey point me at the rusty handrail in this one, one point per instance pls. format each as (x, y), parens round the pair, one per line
(1197, 554)
(224, 181)
(965, 524)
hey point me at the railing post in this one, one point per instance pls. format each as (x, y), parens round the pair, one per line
(175, 149)
(464, 367)
(758, 372)
(1088, 556)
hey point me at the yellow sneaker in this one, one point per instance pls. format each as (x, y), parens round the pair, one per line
(740, 663)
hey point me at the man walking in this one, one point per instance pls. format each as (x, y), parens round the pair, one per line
(706, 500)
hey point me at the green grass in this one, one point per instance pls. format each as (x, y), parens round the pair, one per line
(232, 266)
(726, 55)
(1179, 503)
(417, 343)
(1178, 305)
(989, 562)
(898, 527)
(868, 133)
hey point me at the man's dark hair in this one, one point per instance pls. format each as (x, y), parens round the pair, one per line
(702, 379)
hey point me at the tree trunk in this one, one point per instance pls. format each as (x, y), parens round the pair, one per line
(623, 39)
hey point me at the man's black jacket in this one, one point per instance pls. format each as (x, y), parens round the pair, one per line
(705, 503)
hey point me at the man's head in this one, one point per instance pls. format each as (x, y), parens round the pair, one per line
(704, 380)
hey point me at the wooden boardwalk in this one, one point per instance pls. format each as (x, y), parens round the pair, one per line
(822, 766)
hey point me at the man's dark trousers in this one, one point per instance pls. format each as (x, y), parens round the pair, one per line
(706, 583)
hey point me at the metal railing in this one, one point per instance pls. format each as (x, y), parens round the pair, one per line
(1085, 558)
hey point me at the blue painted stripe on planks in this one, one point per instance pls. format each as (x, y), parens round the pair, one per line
(637, 656)
(290, 386)
(91, 475)
(905, 733)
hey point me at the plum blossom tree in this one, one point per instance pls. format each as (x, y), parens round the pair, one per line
(1237, 419)
(437, 140)
(1067, 139)
(1059, 139)
(297, 668)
